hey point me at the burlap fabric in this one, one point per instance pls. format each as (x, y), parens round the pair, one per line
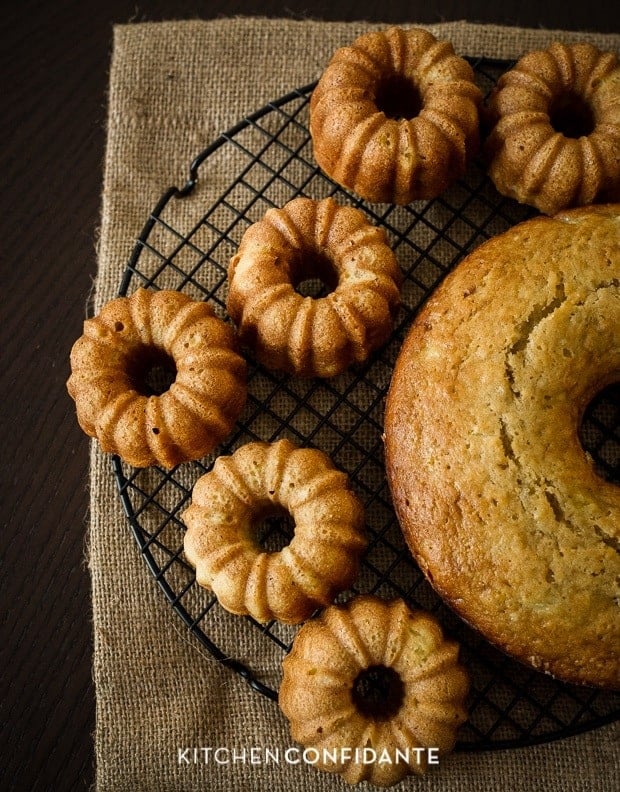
(173, 88)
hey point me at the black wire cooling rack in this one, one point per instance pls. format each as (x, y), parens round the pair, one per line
(270, 151)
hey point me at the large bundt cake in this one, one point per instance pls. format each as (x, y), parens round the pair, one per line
(394, 116)
(304, 335)
(116, 403)
(498, 500)
(369, 686)
(556, 139)
(231, 501)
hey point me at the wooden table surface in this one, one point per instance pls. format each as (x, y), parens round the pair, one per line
(56, 57)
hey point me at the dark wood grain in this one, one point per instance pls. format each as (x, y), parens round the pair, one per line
(55, 59)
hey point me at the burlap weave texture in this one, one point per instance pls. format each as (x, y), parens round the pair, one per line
(173, 87)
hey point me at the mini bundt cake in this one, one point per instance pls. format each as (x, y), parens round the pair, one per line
(499, 502)
(241, 490)
(556, 136)
(110, 368)
(304, 335)
(394, 117)
(373, 675)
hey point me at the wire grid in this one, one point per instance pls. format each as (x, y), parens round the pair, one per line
(510, 704)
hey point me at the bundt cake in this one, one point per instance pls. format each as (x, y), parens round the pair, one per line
(556, 136)
(394, 116)
(257, 481)
(117, 403)
(498, 501)
(304, 335)
(369, 686)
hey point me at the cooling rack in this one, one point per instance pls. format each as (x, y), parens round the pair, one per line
(269, 158)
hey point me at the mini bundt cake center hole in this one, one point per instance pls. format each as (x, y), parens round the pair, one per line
(274, 529)
(152, 371)
(378, 692)
(599, 431)
(398, 97)
(572, 116)
(314, 274)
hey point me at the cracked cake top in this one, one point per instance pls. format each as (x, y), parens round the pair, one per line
(499, 503)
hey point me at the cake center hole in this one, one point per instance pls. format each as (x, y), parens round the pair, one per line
(152, 371)
(572, 116)
(398, 97)
(378, 692)
(599, 432)
(314, 275)
(274, 530)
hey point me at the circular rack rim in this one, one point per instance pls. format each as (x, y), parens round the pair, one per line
(174, 597)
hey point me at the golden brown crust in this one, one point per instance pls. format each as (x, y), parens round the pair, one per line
(302, 335)
(184, 422)
(498, 501)
(424, 708)
(260, 479)
(386, 158)
(563, 86)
